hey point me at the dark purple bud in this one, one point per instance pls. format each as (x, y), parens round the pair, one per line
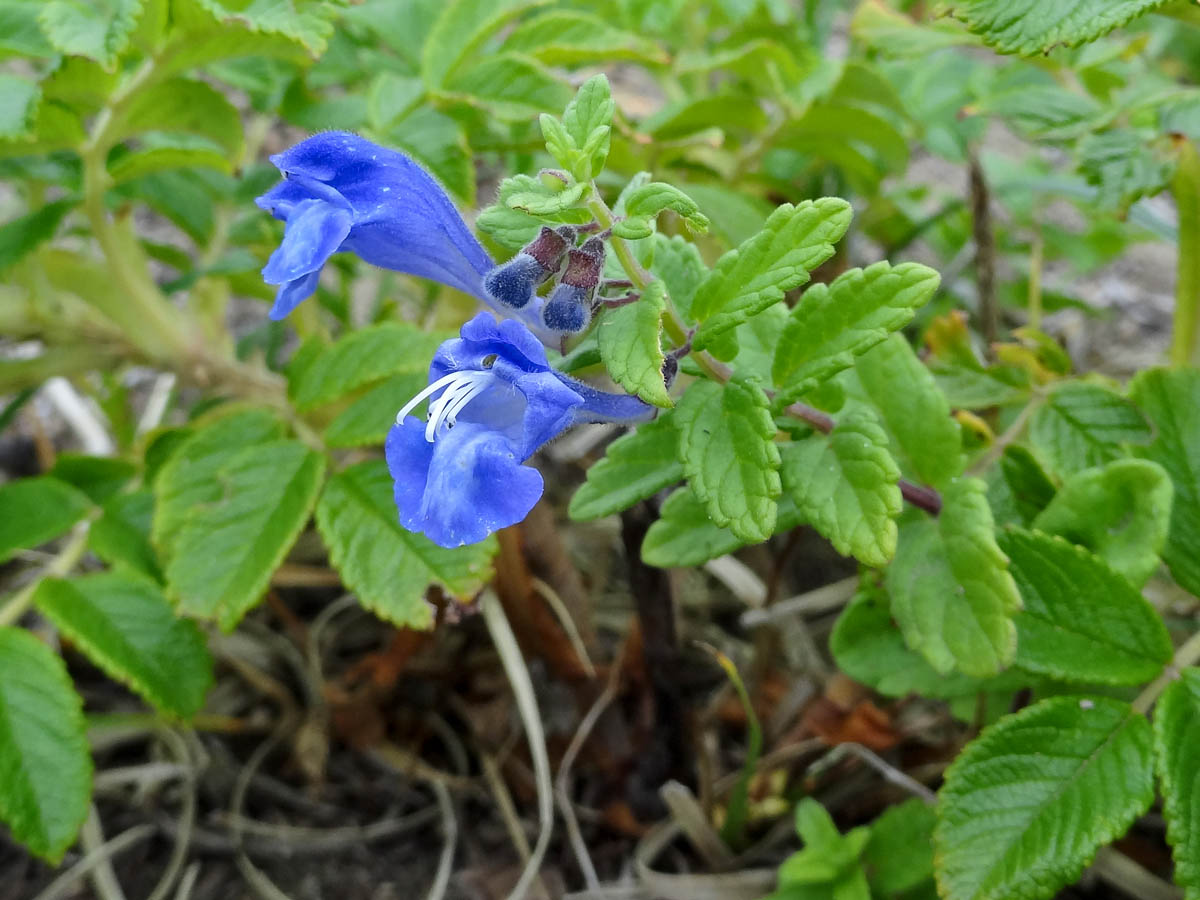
(585, 265)
(548, 249)
(567, 310)
(512, 284)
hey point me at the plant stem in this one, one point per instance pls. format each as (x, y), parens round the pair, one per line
(61, 565)
(1185, 337)
(1187, 655)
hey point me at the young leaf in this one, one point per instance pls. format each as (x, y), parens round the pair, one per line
(1176, 739)
(835, 322)
(45, 766)
(121, 536)
(630, 339)
(97, 31)
(1082, 622)
(366, 421)
(125, 625)
(1121, 512)
(388, 567)
(745, 281)
(37, 510)
(926, 441)
(685, 536)
(541, 200)
(1169, 399)
(1027, 803)
(587, 119)
(262, 499)
(726, 444)
(845, 486)
(951, 591)
(637, 465)
(899, 856)
(361, 357)
(1030, 27)
(645, 202)
(1084, 425)
(829, 860)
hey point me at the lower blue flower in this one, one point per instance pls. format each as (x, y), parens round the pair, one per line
(493, 401)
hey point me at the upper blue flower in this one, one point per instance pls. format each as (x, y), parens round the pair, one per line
(342, 192)
(459, 476)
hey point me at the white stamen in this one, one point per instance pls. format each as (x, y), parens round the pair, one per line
(460, 389)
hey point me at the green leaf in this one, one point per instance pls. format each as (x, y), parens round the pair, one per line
(37, 510)
(513, 87)
(460, 30)
(869, 647)
(647, 201)
(1082, 621)
(747, 280)
(189, 478)
(845, 484)
(833, 323)
(731, 112)
(828, 857)
(1124, 165)
(440, 143)
(685, 536)
(157, 159)
(1083, 425)
(630, 339)
(514, 228)
(589, 111)
(183, 105)
(392, 96)
(1018, 488)
(899, 856)
(361, 357)
(540, 200)
(121, 536)
(22, 235)
(125, 625)
(97, 30)
(726, 444)
(1047, 111)
(303, 22)
(679, 264)
(1176, 739)
(1121, 512)
(1168, 398)
(45, 766)
(637, 465)
(223, 555)
(97, 476)
(567, 37)
(951, 591)
(1027, 803)
(388, 567)
(1029, 27)
(18, 106)
(927, 442)
(559, 144)
(20, 33)
(366, 421)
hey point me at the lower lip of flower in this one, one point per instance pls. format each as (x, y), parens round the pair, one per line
(458, 389)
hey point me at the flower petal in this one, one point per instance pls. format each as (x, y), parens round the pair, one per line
(289, 295)
(314, 232)
(462, 487)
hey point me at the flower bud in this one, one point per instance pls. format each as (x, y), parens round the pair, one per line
(567, 309)
(513, 283)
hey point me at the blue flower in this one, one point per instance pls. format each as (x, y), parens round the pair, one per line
(342, 192)
(459, 475)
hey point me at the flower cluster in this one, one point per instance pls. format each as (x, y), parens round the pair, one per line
(493, 398)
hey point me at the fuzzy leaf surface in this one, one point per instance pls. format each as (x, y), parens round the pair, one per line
(630, 339)
(845, 484)
(745, 281)
(1030, 27)
(1084, 425)
(833, 323)
(387, 566)
(1029, 802)
(1171, 400)
(726, 444)
(99, 31)
(1082, 621)
(124, 624)
(637, 465)
(45, 763)
(951, 590)
(685, 536)
(1177, 752)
